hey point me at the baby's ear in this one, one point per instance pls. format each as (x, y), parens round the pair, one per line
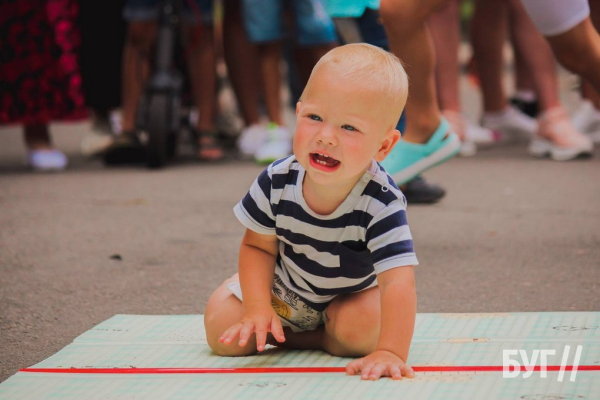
(298, 104)
(389, 141)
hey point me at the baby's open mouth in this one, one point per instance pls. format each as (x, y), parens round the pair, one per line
(322, 159)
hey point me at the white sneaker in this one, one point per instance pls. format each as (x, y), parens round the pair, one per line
(251, 139)
(511, 122)
(480, 135)
(587, 120)
(47, 160)
(101, 135)
(278, 145)
(558, 138)
(459, 123)
(95, 142)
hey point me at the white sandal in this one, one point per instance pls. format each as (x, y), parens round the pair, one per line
(47, 160)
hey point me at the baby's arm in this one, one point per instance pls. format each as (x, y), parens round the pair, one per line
(398, 313)
(256, 269)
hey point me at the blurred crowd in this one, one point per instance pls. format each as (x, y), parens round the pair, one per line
(72, 60)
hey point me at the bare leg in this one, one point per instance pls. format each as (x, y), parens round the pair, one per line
(270, 58)
(37, 137)
(536, 55)
(523, 76)
(241, 56)
(344, 334)
(202, 71)
(587, 90)
(136, 53)
(578, 50)
(488, 31)
(445, 31)
(222, 311)
(409, 39)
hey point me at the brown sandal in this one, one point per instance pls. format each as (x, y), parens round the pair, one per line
(209, 148)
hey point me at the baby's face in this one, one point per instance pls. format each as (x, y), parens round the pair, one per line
(340, 129)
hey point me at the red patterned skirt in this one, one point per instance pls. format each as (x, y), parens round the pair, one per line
(40, 78)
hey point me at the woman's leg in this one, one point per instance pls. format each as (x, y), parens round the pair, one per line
(409, 39)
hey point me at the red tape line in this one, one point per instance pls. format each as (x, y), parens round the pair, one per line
(274, 370)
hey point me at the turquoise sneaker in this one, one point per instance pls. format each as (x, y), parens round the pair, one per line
(407, 160)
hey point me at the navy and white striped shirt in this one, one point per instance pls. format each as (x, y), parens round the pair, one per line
(321, 256)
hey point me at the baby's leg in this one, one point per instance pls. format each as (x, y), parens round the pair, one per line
(352, 324)
(222, 311)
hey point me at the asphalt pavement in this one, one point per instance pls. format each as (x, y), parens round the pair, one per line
(513, 234)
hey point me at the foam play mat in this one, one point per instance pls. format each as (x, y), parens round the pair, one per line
(455, 356)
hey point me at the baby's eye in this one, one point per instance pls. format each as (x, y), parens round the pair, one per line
(314, 117)
(349, 127)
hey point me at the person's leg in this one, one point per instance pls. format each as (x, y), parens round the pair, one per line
(409, 39)
(445, 32)
(344, 335)
(223, 310)
(578, 50)
(444, 26)
(555, 135)
(269, 55)
(241, 56)
(126, 147)
(41, 153)
(315, 35)
(428, 140)
(202, 70)
(368, 28)
(488, 32)
(535, 54)
(524, 98)
(569, 30)
(587, 116)
(37, 137)
(136, 68)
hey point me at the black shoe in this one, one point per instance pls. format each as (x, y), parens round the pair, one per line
(125, 149)
(531, 108)
(418, 191)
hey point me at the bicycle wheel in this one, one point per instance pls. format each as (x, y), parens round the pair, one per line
(159, 130)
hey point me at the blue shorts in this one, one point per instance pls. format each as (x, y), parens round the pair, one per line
(147, 10)
(263, 20)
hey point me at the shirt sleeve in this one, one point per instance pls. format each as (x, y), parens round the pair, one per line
(255, 211)
(389, 239)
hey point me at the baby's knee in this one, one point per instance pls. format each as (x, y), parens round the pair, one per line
(354, 331)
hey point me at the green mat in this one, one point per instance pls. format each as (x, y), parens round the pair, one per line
(130, 342)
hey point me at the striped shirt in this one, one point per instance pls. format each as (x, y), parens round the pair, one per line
(322, 256)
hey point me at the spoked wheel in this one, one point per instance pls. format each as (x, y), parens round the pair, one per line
(159, 130)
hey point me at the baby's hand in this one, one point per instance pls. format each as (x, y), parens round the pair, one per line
(380, 363)
(258, 320)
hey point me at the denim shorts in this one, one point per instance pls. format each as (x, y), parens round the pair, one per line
(147, 10)
(264, 21)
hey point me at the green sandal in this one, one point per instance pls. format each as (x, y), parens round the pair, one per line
(407, 160)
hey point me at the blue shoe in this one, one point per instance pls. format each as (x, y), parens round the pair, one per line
(407, 160)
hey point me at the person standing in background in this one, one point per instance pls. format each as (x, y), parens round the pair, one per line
(40, 78)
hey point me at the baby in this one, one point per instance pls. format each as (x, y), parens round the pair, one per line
(327, 259)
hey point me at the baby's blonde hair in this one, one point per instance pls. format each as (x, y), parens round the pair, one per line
(367, 65)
